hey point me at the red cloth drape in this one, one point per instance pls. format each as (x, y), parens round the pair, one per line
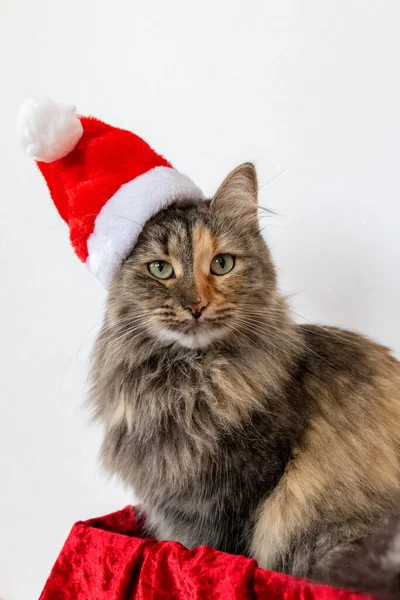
(107, 558)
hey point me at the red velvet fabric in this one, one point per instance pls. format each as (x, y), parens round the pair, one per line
(107, 558)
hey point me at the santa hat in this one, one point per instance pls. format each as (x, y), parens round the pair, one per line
(105, 182)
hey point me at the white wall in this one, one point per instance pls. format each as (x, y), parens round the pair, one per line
(307, 86)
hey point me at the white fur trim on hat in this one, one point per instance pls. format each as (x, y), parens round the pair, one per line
(122, 218)
(46, 130)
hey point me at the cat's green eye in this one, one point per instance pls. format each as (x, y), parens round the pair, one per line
(161, 269)
(222, 264)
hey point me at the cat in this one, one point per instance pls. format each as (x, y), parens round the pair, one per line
(234, 426)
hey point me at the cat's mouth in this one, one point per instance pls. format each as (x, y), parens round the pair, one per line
(196, 335)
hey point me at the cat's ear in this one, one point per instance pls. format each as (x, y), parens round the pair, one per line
(237, 195)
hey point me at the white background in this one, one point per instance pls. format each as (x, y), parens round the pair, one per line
(306, 87)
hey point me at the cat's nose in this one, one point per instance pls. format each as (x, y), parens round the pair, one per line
(195, 307)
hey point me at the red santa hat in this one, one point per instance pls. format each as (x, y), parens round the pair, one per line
(105, 182)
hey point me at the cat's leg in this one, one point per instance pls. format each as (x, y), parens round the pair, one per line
(349, 556)
(189, 528)
(370, 563)
(290, 536)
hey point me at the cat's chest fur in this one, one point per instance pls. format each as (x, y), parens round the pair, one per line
(197, 437)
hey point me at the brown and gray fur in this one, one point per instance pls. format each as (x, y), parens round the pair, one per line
(242, 429)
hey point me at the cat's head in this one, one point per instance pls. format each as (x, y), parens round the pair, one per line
(198, 273)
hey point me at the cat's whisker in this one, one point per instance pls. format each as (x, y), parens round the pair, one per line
(265, 327)
(249, 339)
(118, 349)
(296, 340)
(259, 327)
(114, 331)
(128, 332)
(267, 340)
(330, 331)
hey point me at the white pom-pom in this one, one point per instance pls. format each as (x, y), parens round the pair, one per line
(46, 130)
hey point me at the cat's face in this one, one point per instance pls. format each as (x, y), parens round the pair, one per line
(197, 272)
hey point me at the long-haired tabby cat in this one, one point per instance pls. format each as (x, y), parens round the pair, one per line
(234, 426)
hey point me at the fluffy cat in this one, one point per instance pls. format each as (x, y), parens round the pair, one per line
(234, 426)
